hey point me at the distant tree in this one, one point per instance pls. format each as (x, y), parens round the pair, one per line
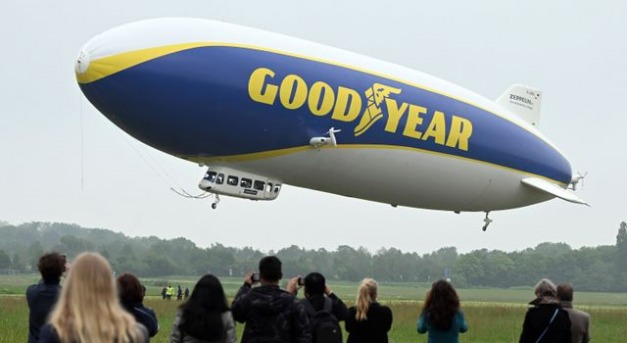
(621, 245)
(5, 260)
(16, 262)
(35, 250)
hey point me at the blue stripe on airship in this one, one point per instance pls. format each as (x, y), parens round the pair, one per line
(196, 103)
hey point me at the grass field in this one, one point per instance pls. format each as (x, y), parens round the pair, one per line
(493, 315)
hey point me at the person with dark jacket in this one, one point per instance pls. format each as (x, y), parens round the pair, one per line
(270, 313)
(316, 293)
(42, 296)
(131, 295)
(579, 320)
(368, 321)
(545, 321)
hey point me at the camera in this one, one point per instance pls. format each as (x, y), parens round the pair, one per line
(254, 277)
(301, 281)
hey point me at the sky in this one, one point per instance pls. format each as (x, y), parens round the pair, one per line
(62, 161)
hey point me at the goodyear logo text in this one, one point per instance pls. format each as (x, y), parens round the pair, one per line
(346, 105)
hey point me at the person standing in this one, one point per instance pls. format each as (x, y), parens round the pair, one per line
(131, 293)
(205, 316)
(169, 292)
(545, 321)
(270, 313)
(579, 320)
(319, 297)
(89, 310)
(441, 316)
(42, 296)
(368, 321)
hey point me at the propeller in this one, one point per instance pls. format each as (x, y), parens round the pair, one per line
(577, 179)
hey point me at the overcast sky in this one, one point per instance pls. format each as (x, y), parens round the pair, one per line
(62, 161)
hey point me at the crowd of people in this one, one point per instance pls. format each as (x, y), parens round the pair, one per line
(93, 306)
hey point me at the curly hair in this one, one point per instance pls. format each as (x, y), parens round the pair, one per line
(51, 266)
(441, 305)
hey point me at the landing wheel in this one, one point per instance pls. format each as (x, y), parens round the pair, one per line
(215, 203)
(486, 220)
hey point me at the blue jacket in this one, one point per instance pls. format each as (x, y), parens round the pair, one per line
(438, 336)
(41, 298)
(144, 316)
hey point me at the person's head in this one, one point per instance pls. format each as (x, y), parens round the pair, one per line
(441, 304)
(366, 294)
(202, 312)
(88, 309)
(209, 294)
(130, 289)
(51, 266)
(565, 292)
(270, 269)
(545, 288)
(314, 284)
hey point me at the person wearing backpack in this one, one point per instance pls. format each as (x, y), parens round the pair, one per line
(324, 308)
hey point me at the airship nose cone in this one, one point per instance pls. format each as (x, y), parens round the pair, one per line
(82, 62)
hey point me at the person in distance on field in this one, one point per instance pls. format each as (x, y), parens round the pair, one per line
(545, 320)
(89, 310)
(42, 296)
(205, 316)
(131, 294)
(368, 321)
(270, 313)
(579, 320)
(441, 316)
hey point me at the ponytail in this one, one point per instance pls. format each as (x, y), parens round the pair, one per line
(366, 294)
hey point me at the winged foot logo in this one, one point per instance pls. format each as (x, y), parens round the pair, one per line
(345, 104)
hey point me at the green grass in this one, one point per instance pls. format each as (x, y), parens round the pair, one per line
(493, 315)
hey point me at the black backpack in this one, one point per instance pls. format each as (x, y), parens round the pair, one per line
(325, 327)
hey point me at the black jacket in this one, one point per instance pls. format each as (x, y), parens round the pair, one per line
(144, 316)
(338, 309)
(372, 330)
(537, 320)
(271, 315)
(41, 298)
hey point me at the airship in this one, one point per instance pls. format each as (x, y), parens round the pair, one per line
(261, 110)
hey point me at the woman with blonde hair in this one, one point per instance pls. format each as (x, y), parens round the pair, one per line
(368, 321)
(89, 310)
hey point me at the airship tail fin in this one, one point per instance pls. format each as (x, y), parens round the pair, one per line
(553, 189)
(523, 101)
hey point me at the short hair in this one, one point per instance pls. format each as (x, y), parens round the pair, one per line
(51, 266)
(545, 287)
(565, 292)
(270, 268)
(314, 283)
(130, 289)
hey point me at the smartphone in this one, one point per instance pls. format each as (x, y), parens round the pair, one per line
(301, 281)
(255, 277)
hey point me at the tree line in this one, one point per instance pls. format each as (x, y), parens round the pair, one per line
(602, 268)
